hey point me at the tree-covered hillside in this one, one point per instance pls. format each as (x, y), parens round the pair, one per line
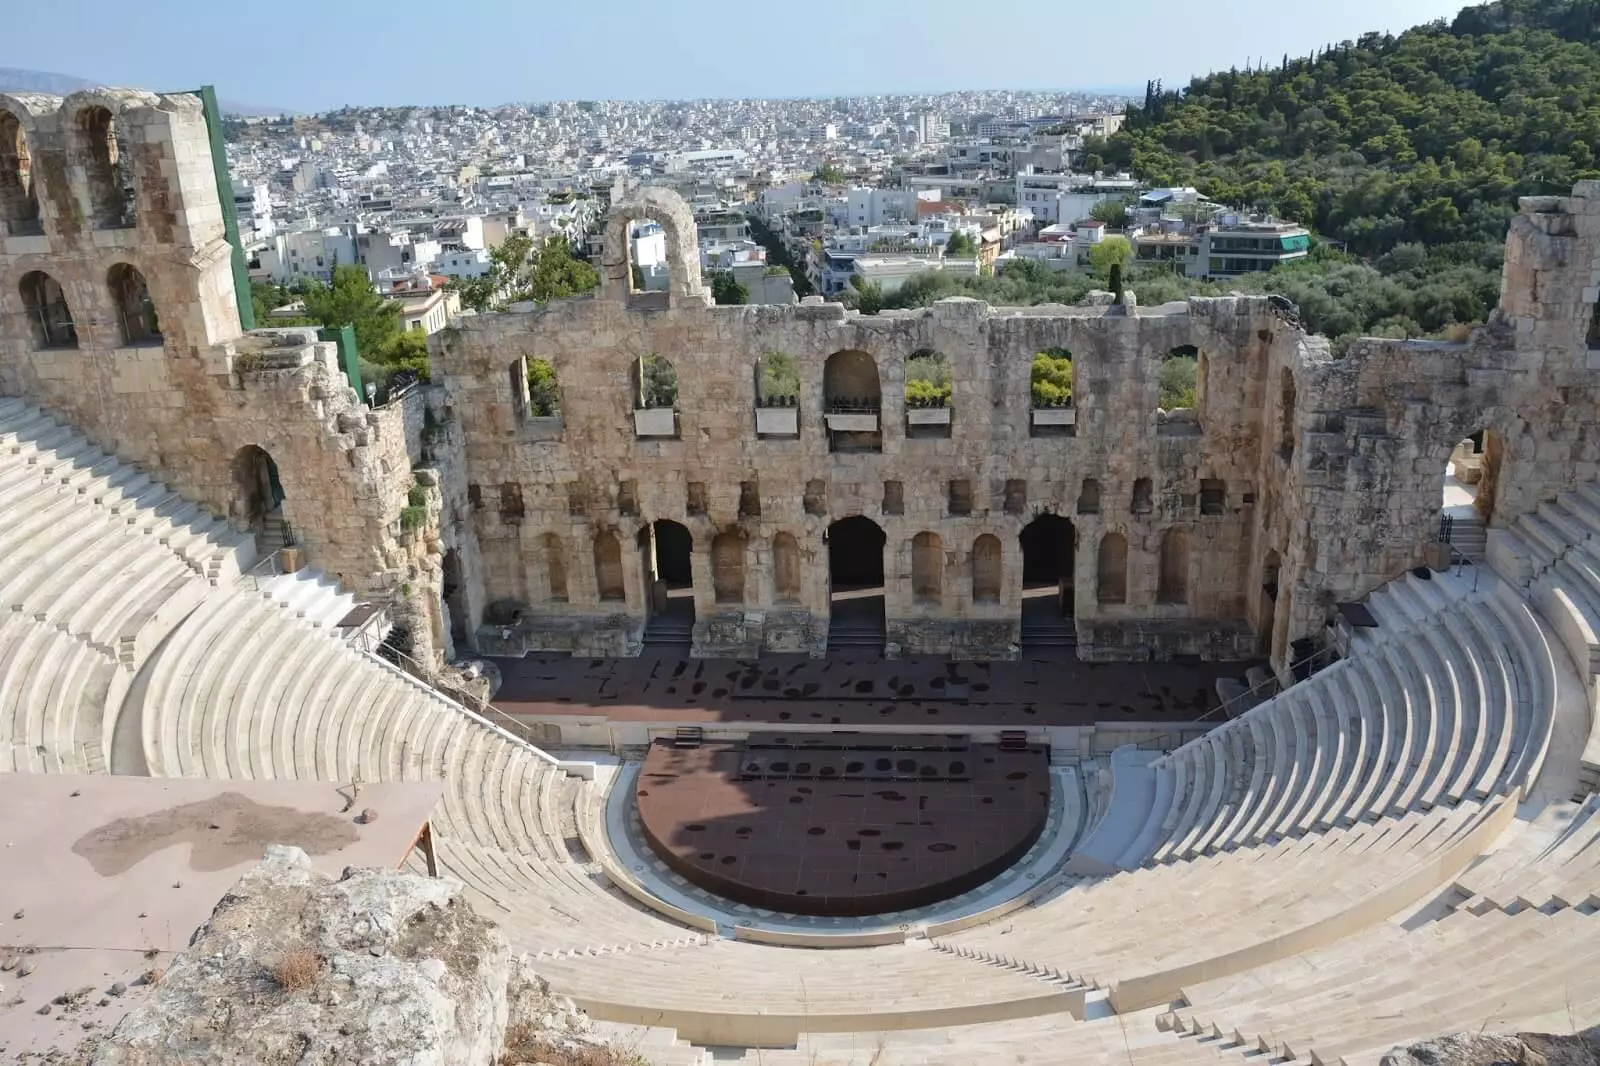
(1426, 137)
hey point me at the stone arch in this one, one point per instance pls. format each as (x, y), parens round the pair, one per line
(987, 563)
(555, 567)
(19, 198)
(727, 567)
(257, 503)
(927, 568)
(1172, 581)
(99, 149)
(785, 568)
(852, 397)
(137, 321)
(1471, 479)
(49, 317)
(1089, 496)
(1111, 569)
(1143, 496)
(856, 604)
(608, 567)
(653, 205)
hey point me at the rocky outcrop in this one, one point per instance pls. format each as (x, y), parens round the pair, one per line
(292, 968)
(1487, 1049)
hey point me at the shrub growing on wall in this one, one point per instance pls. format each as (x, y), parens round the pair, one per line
(1050, 381)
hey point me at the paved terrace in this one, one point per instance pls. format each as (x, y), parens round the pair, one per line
(103, 879)
(858, 690)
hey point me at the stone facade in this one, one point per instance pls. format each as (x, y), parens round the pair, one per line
(120, 197)
(1314, 477)
(1296, 481)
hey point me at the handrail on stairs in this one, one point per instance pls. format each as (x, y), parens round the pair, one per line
(1163, 741)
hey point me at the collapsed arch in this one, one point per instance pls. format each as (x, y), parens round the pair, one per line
(927, 568)
(137, 320)
(258, 489)
(727, 567)
(608, 567)
(1178, 380)
(785, 567)
(1111, 571)
(100, 149)
(542, 390)
(1172, 583)
(986, 569)
(927, 379)
(49, 318)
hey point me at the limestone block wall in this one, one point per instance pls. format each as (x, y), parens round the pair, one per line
(533, 486)
(173, 385)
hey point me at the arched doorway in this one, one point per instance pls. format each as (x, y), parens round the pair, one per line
(1048, 566)
(453, 593)
(1466, 504)
(855, 583)
(258, 499)
(666, 551)
(1269, 602)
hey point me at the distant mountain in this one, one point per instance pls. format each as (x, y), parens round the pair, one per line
(14, 79)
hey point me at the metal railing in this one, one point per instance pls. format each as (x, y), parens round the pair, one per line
(1165, 741)
(264, 570)
(486, 713)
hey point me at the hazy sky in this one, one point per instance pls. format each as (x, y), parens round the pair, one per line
(321, 55)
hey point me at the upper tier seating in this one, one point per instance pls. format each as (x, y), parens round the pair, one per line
(1452, 697)
(1554, 556)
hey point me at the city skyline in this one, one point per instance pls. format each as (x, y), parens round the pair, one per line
(578, 52)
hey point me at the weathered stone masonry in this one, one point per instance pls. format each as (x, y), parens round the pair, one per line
(1296, 474)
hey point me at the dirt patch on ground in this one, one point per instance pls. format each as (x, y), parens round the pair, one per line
(225, 830)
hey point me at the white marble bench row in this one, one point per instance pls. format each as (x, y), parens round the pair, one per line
(55, 692)
(1235, 908)
(38, 455)
(246, 690)
(1452, 697)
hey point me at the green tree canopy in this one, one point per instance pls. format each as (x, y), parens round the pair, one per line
(352, 301)
(961, 246)
(829, 174)
(1050, 380)
(1109, 252)
(725, 290)
(779, 383)
(1177, 380)
(521, 271)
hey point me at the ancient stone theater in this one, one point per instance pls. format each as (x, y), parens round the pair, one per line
(781, 710)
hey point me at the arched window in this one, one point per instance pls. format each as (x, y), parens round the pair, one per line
(647, 257)
(1143, 496)
(136, 315)
(1111, 583)
(1594, 329)
(110, 190)
(928, 385)
(986, 567)
(785, 568)
(19, 202)
(727, 567)
(853, 400)
(1089, 497)
(49, 317)
(608, 567)
(1172, 584)
(655, 397)
(1051, 397)
(555, 566)
(927, 568)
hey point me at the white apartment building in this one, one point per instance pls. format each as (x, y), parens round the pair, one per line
(877, 207)
(307, 253)
(648, 249)
(1054, 198)
(253, 206)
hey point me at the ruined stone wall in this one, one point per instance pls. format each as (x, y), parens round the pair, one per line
(531, 479)
(185, 401)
